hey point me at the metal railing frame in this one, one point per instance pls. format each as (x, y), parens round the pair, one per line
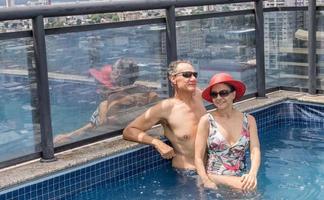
(37, 14)
(312, 47)
(43, 89)
(103, 7)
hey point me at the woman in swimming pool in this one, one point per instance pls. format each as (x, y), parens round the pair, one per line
(224, 135)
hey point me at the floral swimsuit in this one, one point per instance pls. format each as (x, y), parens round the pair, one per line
(224, 159)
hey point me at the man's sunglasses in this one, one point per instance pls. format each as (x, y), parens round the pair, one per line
(188, 74)
(222, 93)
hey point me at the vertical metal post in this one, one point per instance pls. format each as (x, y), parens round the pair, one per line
(259, 42)
(171, 39)
(43, 90)
(312, 47)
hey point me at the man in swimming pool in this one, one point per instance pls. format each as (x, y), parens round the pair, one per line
(178, 115)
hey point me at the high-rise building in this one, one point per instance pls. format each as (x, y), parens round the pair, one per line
(10, 3)
(279, 34)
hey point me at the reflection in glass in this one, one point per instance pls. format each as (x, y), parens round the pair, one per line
(220, 44)
(213, 8)
(284, 3)
(101, 80)
(15, 25)
(285, 44)
(320, 52)
(19, 122)
(99, 18)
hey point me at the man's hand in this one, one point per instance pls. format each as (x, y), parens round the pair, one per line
(249, 181)
(165, 150)
(62, 138)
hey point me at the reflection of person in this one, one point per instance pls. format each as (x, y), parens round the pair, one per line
(123, 98)
(225, 135)
(178, 115)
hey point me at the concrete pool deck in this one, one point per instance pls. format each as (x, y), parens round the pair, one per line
(35, 169)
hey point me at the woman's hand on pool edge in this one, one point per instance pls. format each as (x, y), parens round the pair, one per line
(249, 182)
(165, 150)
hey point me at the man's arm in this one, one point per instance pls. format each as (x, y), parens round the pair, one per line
(136, 130)
(98, 118)
(67, 137)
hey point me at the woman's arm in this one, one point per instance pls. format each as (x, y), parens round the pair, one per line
(200, 151)
(231, 181)
(250, 180)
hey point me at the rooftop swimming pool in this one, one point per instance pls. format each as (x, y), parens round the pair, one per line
(292, 144)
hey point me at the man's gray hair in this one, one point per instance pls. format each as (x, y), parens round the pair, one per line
(128, 71)
(172, 69)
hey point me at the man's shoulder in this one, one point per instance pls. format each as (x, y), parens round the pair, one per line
(165, 106)
(167, 103)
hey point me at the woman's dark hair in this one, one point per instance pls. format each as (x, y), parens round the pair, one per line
(231, 87)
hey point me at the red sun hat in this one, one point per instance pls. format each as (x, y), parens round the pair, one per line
(103, 75)
(224, 78)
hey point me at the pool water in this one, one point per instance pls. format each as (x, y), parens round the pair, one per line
(292, 164)
(163, 183)
(292, 168)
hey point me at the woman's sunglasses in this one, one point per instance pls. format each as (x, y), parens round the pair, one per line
(188, 74)
(222, 93)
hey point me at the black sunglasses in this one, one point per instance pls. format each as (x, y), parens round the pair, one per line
(188, 74)
(222, 93)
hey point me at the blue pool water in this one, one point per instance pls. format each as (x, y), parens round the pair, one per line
(292, 163)
(292, 168)
(163, 183)
(292, 145)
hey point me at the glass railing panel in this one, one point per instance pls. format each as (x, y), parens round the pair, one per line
(77, 20)
(213, 8)
(320, 50)
(29, 3)
(224, 44)
(15, 25)
(101, 80)
(285, 46)
(19, 122)
(284, 3)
